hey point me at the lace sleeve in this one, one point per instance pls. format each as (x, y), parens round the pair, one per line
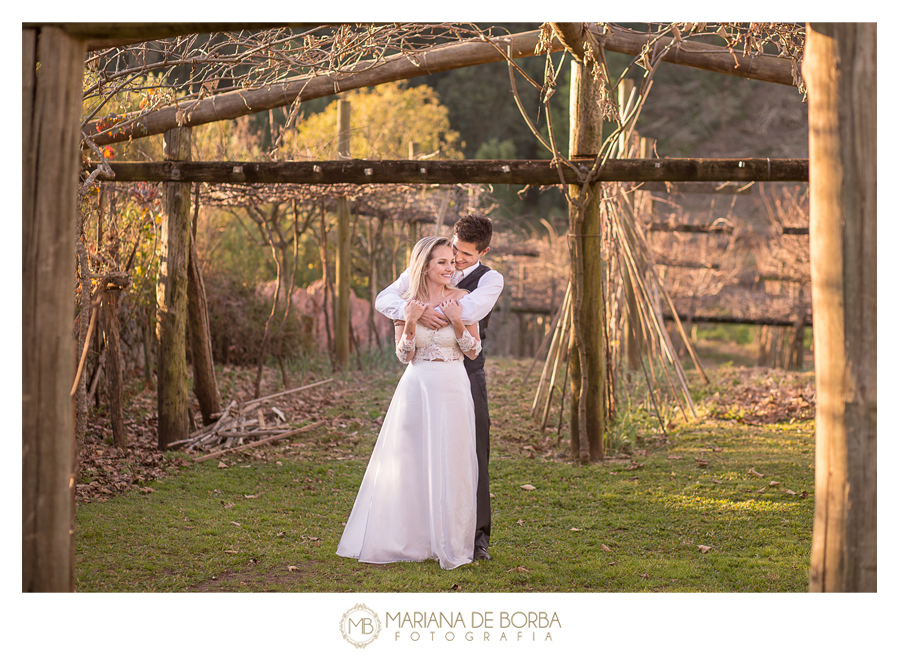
(467, 343)
(405, 348)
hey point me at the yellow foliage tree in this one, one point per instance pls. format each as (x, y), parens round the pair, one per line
(383, 121)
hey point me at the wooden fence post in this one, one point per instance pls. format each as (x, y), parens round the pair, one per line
(342, 264)
(840, 72)
(51, 107)
(171, 299)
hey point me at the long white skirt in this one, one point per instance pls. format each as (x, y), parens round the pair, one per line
(417, 498)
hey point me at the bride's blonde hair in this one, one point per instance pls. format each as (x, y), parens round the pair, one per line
(422, 254)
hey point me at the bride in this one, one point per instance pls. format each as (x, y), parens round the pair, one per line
(417, 498)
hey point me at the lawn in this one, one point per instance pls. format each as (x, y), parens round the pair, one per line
(719, 504)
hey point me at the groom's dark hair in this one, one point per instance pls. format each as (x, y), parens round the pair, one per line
(476, 229)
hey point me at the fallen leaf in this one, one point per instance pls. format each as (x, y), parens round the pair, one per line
(674, 457)
(793, 493)
(716, 481)
(761, 490)
(231, 552)
(227, 505)
(755, 474)
(704, 549)
(645, 575)
(575, 529)
(528, 487)
(606, 548)
(251, 495)
(774, 483)
(519, 569)
(292, 568)
(520, 522)
(222, 465)
(701, 463)
(236, 523)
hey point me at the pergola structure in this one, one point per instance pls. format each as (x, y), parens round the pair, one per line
(839, 70)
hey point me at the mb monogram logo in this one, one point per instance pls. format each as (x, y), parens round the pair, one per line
(360, 626)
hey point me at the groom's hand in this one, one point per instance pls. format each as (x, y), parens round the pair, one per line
(432, 319)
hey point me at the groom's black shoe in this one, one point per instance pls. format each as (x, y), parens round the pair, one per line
(481, 553)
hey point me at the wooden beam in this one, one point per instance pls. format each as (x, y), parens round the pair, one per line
(704, 56)
(702, 319)
(497, 172)
(234, 104)
(662, 227)
(114, 35)
(729, 319)
(696, 188)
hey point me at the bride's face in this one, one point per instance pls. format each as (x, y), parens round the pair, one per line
(441, 266)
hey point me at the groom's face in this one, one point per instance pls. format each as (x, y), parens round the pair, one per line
(467, 253)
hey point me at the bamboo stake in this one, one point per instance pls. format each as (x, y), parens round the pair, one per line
(661, 333)
(559, 354)
(554, 349)
(550, 333)
(671, 305)
(84, 351)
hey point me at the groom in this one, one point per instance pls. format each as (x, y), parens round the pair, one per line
(471, 242)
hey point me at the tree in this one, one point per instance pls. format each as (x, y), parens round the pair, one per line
(386, 119)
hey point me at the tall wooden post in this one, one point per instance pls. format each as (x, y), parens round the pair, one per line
(342, 264)
(412, 227)
(205, 388)
(51, 107)
(840, 72)
(631, 329)
(171, 299)
(586, 360)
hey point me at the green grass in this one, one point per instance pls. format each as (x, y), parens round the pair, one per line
(635, 524)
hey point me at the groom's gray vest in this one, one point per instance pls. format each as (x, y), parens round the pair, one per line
(470, 283)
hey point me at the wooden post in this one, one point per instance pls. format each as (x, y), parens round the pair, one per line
(342, 264)
(840, 72)
(114, 376)
(205, 388)
(171, 299)
(587, 359)
(631, 329)
(412, 227)
(51, 107)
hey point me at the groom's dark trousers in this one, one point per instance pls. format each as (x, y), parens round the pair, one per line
(475, 370)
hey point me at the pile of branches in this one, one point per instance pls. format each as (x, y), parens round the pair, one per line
(244, 425)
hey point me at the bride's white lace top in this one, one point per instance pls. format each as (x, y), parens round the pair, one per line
(436, 345)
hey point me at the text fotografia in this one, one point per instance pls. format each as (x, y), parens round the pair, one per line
(479, 626)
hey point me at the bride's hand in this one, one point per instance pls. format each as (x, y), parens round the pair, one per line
(414, 309)
(451, 309)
